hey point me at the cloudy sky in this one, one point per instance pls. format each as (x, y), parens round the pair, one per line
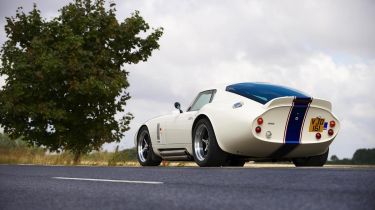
(324, 48)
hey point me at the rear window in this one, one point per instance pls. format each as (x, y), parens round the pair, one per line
(263, 93)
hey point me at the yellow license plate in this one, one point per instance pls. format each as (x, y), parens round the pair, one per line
(316, 125)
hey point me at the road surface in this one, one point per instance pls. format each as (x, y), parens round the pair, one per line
(61, 187)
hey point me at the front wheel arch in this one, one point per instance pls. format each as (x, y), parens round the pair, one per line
(151, 159)
(144, 126)
(136, 135)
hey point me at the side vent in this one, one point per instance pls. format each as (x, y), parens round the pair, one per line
(175, 154)
(158, 132)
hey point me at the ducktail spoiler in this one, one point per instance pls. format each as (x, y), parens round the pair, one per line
(288, 101)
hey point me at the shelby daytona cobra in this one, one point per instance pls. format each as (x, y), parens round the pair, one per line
(245, 121)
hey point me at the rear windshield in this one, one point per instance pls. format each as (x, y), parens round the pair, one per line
(263, 93)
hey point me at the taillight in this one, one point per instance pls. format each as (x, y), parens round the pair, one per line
(332, 124)
(318, 135)
(260, 121)
(258, 129)
(330, 132)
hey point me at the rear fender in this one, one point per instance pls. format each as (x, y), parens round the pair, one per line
(231, 124)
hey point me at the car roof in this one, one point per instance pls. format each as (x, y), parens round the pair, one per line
(263, 92)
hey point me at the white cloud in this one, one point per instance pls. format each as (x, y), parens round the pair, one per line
(322, 48)
(325, 48)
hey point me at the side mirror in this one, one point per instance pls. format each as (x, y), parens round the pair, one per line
(178, 106)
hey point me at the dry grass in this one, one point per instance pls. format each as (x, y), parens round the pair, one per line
(18, 152)
(40, 157)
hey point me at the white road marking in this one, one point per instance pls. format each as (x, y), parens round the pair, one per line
(108, 180)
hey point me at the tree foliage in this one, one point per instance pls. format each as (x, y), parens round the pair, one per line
(65, 77)
(360, 156)
(334, 158)
(364, 156)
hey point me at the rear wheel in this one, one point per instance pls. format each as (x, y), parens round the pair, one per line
(145, 153)
(235, 162)
(314, 161)
(206, 151)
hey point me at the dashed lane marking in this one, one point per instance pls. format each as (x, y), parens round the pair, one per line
(108, 180)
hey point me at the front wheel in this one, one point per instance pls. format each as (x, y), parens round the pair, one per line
(314, 161)
(206, 151)
(145, 153)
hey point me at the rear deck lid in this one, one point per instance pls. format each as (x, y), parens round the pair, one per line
(293, 120)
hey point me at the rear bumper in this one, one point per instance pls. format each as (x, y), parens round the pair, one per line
(300, 150)
(265, 149)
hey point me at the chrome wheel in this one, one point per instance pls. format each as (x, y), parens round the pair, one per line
(143, 147)
(201, 142)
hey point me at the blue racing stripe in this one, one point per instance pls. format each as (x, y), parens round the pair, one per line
(296, 119)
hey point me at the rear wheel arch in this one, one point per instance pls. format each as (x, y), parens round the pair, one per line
(218, 138)
(201, 116)
(206, 151)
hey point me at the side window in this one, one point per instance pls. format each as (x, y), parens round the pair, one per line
(202, 99)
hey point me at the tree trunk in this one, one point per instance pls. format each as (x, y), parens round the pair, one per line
(77, 157)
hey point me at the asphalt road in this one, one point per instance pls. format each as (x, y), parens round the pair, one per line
(59, 187)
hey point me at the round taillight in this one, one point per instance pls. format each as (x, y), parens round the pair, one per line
(258, 129)
(260, 121)
(330, 132)
(318, 135)
(332, 124)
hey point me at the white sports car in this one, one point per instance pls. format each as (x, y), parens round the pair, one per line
(245, 121)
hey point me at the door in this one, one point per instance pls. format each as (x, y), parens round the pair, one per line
(179, 127)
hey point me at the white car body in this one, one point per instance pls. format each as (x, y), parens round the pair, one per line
(234, 119)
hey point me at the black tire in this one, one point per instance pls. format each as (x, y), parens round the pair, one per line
(211, 155)
(235, 162)
(314, 161)
(145, 154)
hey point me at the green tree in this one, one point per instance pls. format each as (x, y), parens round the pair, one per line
(334, 158)
(364, 156)
(66, 78)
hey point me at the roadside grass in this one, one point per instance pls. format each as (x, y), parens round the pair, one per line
(18, 152)
(41, 157)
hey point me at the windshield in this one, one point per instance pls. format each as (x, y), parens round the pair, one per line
(263, 93)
